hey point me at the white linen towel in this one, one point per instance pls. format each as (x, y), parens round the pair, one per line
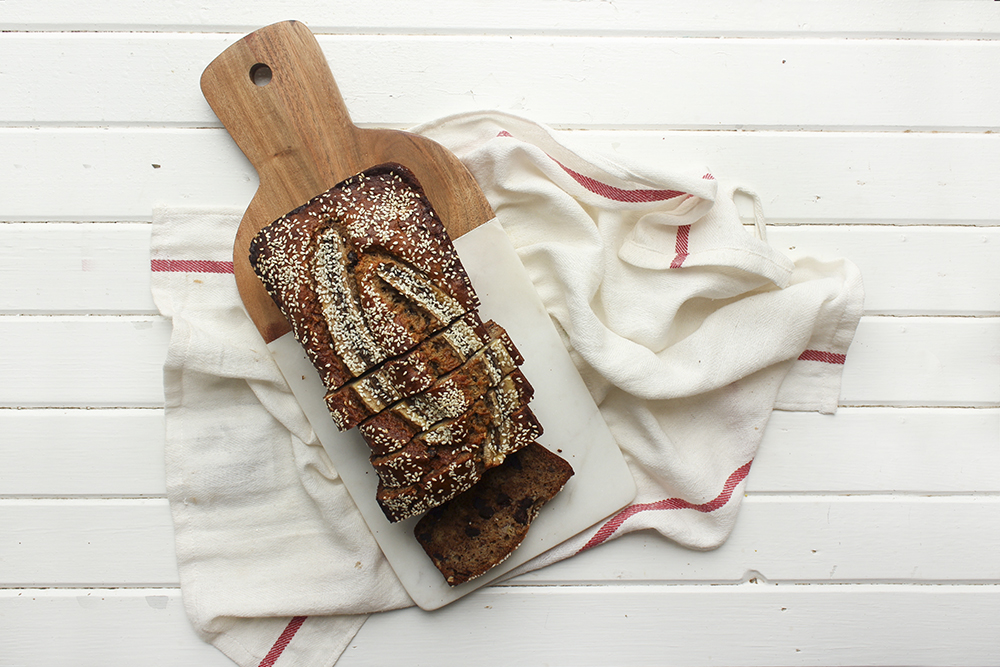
(688, 330)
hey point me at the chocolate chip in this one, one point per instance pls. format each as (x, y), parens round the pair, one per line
(472, 531)
(484, 508)
(523, 506)
(503, 499)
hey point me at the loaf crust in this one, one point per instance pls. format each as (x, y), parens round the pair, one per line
(363, 272)
(478, 529)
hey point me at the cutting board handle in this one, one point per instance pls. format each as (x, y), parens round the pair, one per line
(289, 122)
(296, 131)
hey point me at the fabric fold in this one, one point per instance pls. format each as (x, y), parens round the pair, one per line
(688, 330)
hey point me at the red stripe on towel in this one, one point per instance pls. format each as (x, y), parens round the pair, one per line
(614, 523)
(825, 357)
(610, 191)
(283, 640)
(619, 194)
(190, 266)
(681, 246)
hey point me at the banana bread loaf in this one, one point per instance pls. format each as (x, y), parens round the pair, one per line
(371, 284)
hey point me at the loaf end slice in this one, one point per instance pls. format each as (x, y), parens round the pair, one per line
(480, 528)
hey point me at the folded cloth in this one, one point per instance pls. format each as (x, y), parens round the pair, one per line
(688, 330)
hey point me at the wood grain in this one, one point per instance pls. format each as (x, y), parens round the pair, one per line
(749, 624)
(743, 624)
(298, 135)
(851, 178)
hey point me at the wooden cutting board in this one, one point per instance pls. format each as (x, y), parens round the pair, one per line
(298, 135)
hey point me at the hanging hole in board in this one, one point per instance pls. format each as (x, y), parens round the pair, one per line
(260, 74)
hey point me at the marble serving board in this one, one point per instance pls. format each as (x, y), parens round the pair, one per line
(602, 483)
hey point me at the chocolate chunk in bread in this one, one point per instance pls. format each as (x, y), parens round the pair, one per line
(479, 529)
(363, 272)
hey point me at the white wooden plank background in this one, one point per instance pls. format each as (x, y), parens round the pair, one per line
(834, 84)
(870, 129)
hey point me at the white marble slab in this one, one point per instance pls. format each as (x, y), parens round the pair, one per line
(602, 483)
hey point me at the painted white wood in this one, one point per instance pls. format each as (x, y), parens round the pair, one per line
(745, 624)
(119, 452)
(64, 268)
(923, 361)
(152, 78)
(801, 538)
(75, 268)
(88, 361)
(58, 453)
(749, 624)
(70, 361)
(103, 543)
(877, 450)
(85, 626)
(786, 538)
(909, 270)
(115, 174)
(940, 18)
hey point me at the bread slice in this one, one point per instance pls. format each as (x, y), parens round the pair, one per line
(414, 372)
(363, 272)
(447, 461)
(480, 528)
(391, 430)
(428, 453)
(452, 394)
